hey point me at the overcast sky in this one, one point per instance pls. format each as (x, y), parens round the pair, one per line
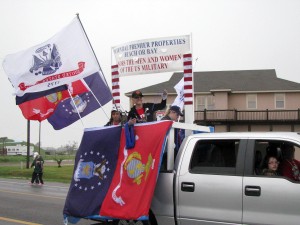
(226, 35)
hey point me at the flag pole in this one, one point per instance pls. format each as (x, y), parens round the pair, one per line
(40, 124)
(28, 144)
(83, 81)
(77, 14)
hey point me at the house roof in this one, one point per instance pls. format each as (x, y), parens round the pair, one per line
(233, 81)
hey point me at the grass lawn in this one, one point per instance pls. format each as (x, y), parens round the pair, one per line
(19, 158)
(51, 173)
(9, 168)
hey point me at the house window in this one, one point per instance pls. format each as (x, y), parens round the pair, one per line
(279, 101)
(205, 102)
(252, 101)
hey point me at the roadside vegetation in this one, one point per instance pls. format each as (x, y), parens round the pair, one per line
(51, 173)
(15, 167)
(19, 158)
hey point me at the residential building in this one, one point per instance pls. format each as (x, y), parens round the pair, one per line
(245, 100)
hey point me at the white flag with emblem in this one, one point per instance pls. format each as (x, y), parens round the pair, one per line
(179, 100)
(62, 59)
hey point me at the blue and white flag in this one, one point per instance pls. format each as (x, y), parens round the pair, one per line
(94, 168)
(62, 59)
(67, 110)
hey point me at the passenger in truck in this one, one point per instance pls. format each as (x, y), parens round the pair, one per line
(270, 166)
(290, 166)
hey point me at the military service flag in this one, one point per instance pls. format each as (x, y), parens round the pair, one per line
(62, 59)
(133, 184)
(43, 107)
(95, 164)
(83, 104)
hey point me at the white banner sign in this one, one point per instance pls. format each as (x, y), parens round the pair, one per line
(152, 55)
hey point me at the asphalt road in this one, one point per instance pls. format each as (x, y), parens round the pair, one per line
(25, 204)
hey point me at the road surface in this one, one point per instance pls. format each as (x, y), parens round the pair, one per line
(25, 204)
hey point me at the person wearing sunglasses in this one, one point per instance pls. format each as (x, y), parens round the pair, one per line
(144, 112)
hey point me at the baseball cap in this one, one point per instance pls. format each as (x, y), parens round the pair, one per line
(114, 109)
(176, 109)
(136, 94)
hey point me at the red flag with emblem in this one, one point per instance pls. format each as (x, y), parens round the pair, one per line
(43, 107)
(133, 184)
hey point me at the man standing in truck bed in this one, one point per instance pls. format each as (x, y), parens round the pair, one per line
(143, 112)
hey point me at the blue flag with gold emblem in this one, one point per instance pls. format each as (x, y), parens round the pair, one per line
(94, 168)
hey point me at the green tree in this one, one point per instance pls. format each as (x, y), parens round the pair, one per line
(59, 161)
(71, 147)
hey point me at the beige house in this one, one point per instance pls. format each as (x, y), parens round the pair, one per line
(248, 100)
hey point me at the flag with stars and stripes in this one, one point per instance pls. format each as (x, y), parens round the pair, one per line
(94, 168)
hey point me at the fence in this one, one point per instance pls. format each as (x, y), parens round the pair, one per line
(247, 115)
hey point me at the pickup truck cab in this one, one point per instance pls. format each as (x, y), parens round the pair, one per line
(216, 179)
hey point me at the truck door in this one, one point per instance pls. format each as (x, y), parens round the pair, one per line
(209, 182)
(269, 200)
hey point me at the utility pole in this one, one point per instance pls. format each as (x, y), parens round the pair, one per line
(28, 144)
(40, 137)
(3, 139)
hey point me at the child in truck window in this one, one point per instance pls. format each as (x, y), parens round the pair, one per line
(270, 166)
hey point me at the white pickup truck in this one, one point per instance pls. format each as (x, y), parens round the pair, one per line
(216, 178)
